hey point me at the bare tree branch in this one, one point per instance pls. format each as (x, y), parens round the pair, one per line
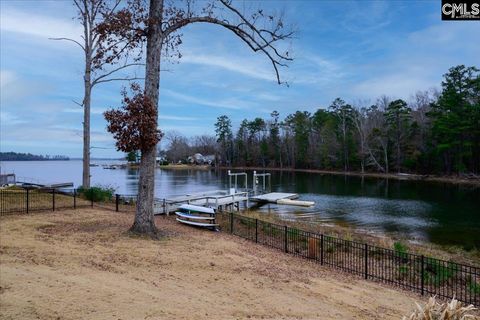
(78, 103)
(99, 78)
(120, 79)
(248, 39)
(257, 39)
(68, 39)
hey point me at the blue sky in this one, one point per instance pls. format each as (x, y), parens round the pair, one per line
(357, 50)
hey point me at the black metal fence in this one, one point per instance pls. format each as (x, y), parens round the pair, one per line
(29, 200)
(125, 202)
(425, 275)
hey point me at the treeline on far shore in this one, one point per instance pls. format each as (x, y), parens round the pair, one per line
(437, 132)
(15, 156)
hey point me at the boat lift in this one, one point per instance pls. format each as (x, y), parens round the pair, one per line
(236, 175)
(267, 188)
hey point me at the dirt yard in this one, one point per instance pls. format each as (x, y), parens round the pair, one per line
(83, 265)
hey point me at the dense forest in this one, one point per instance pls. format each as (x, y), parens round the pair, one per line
(15, 156)
(436, 132)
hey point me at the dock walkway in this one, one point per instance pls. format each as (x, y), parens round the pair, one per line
(216, 199)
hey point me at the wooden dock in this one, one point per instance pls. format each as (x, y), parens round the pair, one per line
(30, 182)
(218, 199)
(224, 200)
(273, 197)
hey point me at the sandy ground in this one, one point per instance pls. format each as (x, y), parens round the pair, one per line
(83, 265)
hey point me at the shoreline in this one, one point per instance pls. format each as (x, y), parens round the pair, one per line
(401, 176)
(185, 167)
(379, 239)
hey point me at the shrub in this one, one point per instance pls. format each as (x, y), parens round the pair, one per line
(437, 273)
(432, 310)
(97, 193)
(401, 250)
(400, 247)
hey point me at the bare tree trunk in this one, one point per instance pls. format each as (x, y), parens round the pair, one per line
(345, 147)
(375, 161)
(345, 151)
(86, 130)
(87, 81)
(144, 222)
(385, 155)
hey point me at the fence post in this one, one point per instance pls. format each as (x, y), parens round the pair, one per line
(117, 199)
(231, 222)
(256, 230)
(53, 199)
(28, 200)
(321, 249)
(366, 261)
(286, 239)
(74, 198)
(422, 265)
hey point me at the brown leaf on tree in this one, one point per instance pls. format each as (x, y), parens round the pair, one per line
(134, 124)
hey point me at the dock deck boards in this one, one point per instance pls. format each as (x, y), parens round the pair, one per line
(221, 201)
(273, 197)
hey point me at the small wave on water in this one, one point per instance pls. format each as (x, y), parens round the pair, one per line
(376, 215)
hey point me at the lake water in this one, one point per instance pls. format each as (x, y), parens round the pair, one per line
(436, 212)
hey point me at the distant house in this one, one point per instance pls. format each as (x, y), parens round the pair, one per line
(160, 159)
(197, 158)
(200, 159)
(210, 159)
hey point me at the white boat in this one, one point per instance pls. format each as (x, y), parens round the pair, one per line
(196, 216)
(193, 208)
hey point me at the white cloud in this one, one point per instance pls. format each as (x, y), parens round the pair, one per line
(314, 69)
(233, 64)
(38, 25)
(399, 85)
(16, 89)
(6, 77)
(176, 118)
(366, 17)
(101, 111)
(8, 118)
(225, 104)
(187, 130)
(420, 61)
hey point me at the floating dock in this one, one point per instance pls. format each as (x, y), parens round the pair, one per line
(300, 203)
(273, 197)
(281, 198)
